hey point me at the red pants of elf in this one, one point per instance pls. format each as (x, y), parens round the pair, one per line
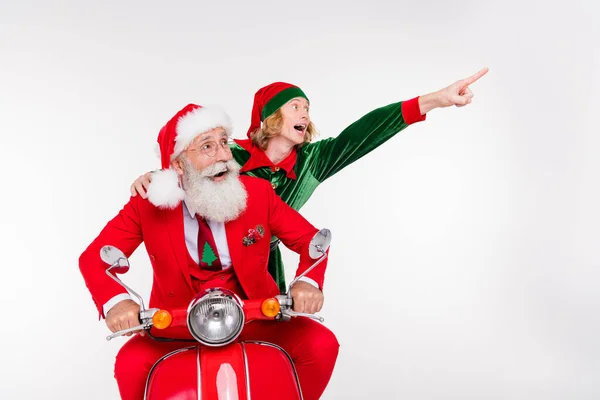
(312, 346)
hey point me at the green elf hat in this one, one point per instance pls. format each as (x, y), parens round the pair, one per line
(269, 99)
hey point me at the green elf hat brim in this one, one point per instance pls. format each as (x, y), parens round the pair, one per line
(280, 99)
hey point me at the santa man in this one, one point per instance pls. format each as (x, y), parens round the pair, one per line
(203, 226)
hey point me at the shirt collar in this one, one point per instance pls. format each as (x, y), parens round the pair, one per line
(259, 159)
(186, 210)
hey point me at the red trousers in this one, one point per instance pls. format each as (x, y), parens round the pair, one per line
(312, 346)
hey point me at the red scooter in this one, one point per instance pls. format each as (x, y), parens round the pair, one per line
(217, 366)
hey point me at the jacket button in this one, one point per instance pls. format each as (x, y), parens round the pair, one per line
(171, 294)
(277, 169)
(274, 185)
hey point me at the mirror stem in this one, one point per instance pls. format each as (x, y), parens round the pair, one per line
(319, 261)
(131, 291)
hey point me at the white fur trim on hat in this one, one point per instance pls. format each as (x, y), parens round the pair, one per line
(196, 122)
(164, 190)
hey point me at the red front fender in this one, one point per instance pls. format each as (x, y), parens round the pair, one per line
(239, 371)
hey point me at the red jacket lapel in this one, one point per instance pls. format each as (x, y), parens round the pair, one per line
(235, 252)
(177, 237)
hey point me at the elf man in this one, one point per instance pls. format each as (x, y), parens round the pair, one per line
(281, 150)
(204, 226)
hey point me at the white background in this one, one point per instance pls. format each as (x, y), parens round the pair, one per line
(465, 255)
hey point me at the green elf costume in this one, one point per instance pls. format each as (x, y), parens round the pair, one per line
(298, 175)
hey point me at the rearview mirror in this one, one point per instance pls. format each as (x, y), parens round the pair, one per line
(320, 243)
(115, 258)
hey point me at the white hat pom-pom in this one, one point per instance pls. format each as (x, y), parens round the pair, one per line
(164, 190)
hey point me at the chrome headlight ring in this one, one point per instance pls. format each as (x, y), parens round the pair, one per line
(215, 317)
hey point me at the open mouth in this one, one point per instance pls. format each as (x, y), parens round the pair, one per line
(220, 173)
(300, 128)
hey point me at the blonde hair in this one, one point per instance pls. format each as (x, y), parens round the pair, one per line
(271, 127)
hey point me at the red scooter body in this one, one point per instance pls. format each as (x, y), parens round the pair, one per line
(242, 370)
(238, 371)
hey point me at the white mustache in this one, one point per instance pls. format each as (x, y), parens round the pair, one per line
(214, 169)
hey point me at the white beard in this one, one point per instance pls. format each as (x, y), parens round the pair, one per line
(217, 201)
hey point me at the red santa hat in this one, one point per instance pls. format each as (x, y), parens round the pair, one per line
(269, 99)
(165, 190)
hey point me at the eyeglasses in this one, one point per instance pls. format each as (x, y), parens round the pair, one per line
(211, 148)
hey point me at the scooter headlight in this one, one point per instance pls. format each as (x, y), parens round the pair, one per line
(215, 317)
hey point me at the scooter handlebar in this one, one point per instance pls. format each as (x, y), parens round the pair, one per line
(273, 308)
(259, 309)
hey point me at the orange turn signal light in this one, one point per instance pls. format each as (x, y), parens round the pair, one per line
(162, 319)
(270, 307)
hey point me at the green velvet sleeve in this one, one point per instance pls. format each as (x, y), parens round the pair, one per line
(328, 156)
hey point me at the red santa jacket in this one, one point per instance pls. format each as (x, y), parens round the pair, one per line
(163, 235)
